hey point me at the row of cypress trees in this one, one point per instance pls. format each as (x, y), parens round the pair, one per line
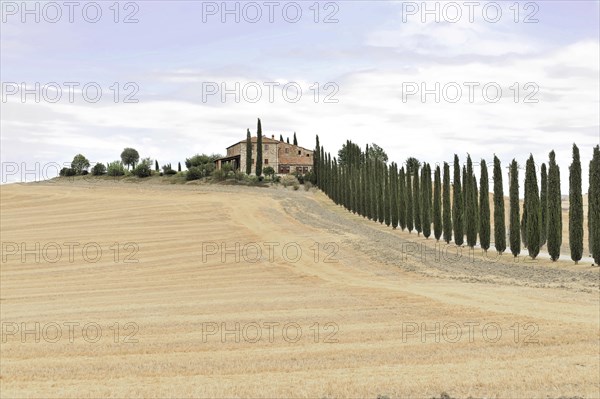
(408, 197)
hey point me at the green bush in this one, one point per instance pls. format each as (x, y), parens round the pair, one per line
(99, 169)
(269, 172)
(142, 170)
(288, 180)
(168, 170)
(67, 172)
(219, 175)
(194, 173)
(115, 169)
(296, 186)
(307, 185)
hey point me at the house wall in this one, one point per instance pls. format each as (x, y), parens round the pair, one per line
(276, 154)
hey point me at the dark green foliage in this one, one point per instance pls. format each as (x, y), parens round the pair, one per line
(377, 153)
(524, 224)
(457, 205)
(594, 206)
(543, 205)
(575, 208)
(380, 191)
(99, 169)
(412, 165)
(249, 152)
(554, 235)
(499, 218)
(532, 206)
(287, 140)
(130, 157)
(484, 208)
(402, 199)
(426, 200)
(168, 170)
(194, 173)
(410, 218)
(394, 205)
(469, 191)
(67, 172)
(179, 166)
(514, 233)
(446, 207)
(259, 150)
(386, 196)
(417, 202)
(156, 168)
(115, 169)
(80, 163)
(295, 139)
(437, 204)
(269, 172)
(143, 169)
(281, 138)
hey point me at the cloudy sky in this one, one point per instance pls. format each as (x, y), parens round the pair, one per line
(185, 77)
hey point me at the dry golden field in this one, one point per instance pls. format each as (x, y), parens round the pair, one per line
(361, 311)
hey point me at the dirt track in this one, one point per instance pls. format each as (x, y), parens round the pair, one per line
(361, 312)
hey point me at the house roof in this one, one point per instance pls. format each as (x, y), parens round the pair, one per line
(266, 140)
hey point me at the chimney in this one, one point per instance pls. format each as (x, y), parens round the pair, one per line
(273, 136)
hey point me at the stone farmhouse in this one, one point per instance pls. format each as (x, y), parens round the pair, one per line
(284, 158)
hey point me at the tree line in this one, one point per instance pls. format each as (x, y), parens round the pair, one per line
(430, 201)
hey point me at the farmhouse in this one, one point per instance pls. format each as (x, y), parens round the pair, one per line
(284, 158)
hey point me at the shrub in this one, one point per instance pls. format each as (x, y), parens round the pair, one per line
(99, 169)
(67, 172)
(115, 169)
(84, 172)
(219, 175)
(289, 180)
(193, 173)
(296, 186)
(79, 164)
(269, 172)
(142, 170)
(168, 170)
(239, 175)
(307, 185)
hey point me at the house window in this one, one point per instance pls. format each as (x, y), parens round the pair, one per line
(252, 160)
(299, 152)
(308, 155)
(266, 146)
(266, 161)
(287, 150)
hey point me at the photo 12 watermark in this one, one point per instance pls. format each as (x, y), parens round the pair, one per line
(270, 252)
(69, 92)
(270, 332)
(55, 12)
(469, 92)
(253, 12)
(270, 92)
(70, 252)
(453, 332)
(453, 12)
(53, 332)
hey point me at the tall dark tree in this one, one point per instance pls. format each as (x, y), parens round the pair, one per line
(259, 150)
(156, 168)
(410, 218)
(179, 167)
(402, 199)
(394, 205)
(316, 162)
(594, 206)
(386, 196)
(287, 140)
(412, 164)
(499, 218)
(470, 205)
(295, 139)
(426, 201)
(380, 192)
(514, 230)
(533, 209)
(417, 202)
(447, 211)
(484, 208)
(575, 208)
(281, 138)
(543, 205)
(437, 204)
(554, 209)
(457, 205)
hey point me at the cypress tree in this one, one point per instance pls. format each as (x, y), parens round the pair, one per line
(543, 205)
(437, 204)
(594, 206)
(380, 192)
(514, 232)
(575, 208)
(316, 161)
(179, 167)
(259, 150)
(465, 197)
(295, 140)
(394, 195)
(281, 138)
(287, 140)
(484, 208)
(554, 209)
(533, 209)
(457, 205)
(249, 152)
(524, 221)
(386, 196)
(373, 190)
(447, 216)
(364, 186)
(499, 218)
(470, 204)
(410, 219)
(402, 199)
(417, 202)
(426, 200)
(156, 165)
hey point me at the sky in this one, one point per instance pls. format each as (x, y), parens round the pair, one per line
(176, 78)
